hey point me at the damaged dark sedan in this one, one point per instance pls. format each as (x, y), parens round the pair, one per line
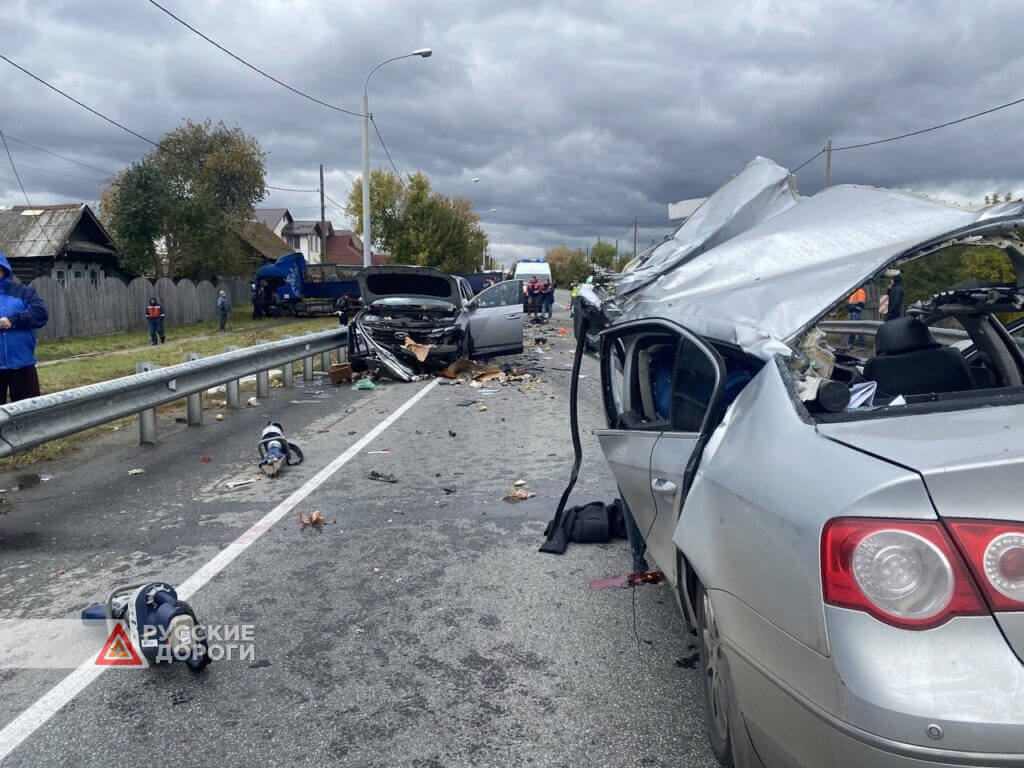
(417, 319)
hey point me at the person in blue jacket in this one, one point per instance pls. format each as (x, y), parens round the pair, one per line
(21, 312)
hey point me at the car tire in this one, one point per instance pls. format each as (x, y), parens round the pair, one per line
(727, 731)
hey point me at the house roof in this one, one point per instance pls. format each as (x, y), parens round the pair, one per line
(302, 228)
(263, 240)
(45, 230)
(345, 249)
(270, 216)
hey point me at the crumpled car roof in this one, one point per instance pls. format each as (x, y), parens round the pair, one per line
(757, 264)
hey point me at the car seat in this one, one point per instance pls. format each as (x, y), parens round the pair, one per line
(908, 361)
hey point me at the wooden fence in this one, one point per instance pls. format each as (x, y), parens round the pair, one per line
(84, 309)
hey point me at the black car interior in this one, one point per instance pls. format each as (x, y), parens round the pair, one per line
(908, 361)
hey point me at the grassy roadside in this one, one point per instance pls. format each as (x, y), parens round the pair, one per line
(202, 338)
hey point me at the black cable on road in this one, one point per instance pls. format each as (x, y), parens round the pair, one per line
(14, 167)
(253, 67)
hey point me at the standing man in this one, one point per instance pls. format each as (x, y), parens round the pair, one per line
(533, 290)
(223, 307)
(547, 299)
(21, 312)
(155, 318)
(895, 295)
(257, 300)
(855, 311)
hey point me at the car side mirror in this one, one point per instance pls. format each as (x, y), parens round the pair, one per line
(473, 304)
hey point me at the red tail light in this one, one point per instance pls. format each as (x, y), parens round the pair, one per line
(995, 552)
(904, 572)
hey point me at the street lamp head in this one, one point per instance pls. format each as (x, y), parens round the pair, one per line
(474, 180)
(492, 210)
(426, 53)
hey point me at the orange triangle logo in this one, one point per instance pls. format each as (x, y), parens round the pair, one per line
(119, 651)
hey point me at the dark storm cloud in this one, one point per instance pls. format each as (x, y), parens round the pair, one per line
(576, 118)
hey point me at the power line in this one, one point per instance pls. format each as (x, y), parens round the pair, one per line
(253, 67)
(62, 157)
(395, 167)
(815, 156)
(76, 101)
(8, 150)
(292, 189)
(55, 173)
(336, 203)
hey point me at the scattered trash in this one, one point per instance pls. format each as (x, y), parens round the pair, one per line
(382, 477)
(629, 580)
(540, 340)
(323, 431)
(352, 432)
(364, 384)
(315, 520)
(449, 489)
(419, 377)
(482, 408)
(476, 384)
(252, 401)
(205, 459)
(219, 417)
(340, 373)
(451, 433)
(382, 450)
(181, 420)
(313, 392)
(136, 471)
(420, 351)
(563, 331)
(239, 483)
(688, 662)
(519, 483)
(275, 450)
(537, 350)
(259, 663)
(466, 403)
(516, 495)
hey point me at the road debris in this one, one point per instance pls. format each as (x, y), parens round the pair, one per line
(482, 408)
(206, 459)
(419, 351)
(451, 433)
(628, 581)
(382, 450)
(239, 483)
(364, 384)
(519, 483)
(466, 403)
(259, 663)
(516, 495)
(136, 471)
(252, 402)
(315, 520)
(382, 477)
(219, 417)
(275, 451)
(449, 489)
(340, 373)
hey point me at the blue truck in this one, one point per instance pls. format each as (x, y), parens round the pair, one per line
(289, 287)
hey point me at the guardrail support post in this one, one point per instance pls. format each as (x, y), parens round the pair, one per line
(147, 418)
(307, 370)
(232, 390)
(288, 371)
(193, 402)
(342, 354)
(263, 384)
(325, 361)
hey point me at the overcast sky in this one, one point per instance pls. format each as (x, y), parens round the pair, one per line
(576, 116)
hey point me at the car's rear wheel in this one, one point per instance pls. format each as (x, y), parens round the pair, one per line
(727, 732)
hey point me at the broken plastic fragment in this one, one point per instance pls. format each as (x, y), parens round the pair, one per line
(252, 401)
(219, 417)
(364, 384)
(382, 477)
(516, 495)
(136, 471)
(419, 350)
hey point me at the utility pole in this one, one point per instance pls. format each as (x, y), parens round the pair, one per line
(828, 161)
(323, 223)
(634, 237)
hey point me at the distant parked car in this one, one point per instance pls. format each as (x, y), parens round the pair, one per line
(854, 575)
(406, 306)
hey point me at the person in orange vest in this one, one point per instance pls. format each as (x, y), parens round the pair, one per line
(855, 311)
(155, 319)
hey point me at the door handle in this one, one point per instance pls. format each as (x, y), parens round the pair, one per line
(660, 485)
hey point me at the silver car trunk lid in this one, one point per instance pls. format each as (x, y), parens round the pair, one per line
(972, 463)
(408, 282)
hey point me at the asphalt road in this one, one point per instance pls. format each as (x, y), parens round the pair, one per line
(422, 629)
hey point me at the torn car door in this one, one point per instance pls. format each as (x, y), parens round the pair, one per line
(496, 319)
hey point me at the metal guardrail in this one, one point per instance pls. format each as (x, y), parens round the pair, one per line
(28, 423)
(870, 328)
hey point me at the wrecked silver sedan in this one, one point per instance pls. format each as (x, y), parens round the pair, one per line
(418, 319)
(842, 531)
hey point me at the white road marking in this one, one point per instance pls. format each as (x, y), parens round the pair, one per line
(25, 724)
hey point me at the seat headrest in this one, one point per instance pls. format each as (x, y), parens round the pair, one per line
(902, 335)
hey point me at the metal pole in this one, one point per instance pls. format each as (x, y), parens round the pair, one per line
(342, 354)
(366, 179)
(232, 390)
(634, 237)
(193, 402)
(262, 384)
(288, 371)
(323, 223)
(147, 418)
(828, 162)
(307, 370)
(325, 361)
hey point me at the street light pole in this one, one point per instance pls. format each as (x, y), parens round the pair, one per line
(451, 197)
(423, 52)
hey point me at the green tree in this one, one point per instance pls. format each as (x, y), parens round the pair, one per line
(419, 227)
(603, 254)
(568, 265)
(197, 190)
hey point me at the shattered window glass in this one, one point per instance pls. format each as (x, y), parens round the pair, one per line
(693, 387)
(504, 294)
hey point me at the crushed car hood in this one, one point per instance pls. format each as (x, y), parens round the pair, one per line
(408, 282)
(757, 264)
